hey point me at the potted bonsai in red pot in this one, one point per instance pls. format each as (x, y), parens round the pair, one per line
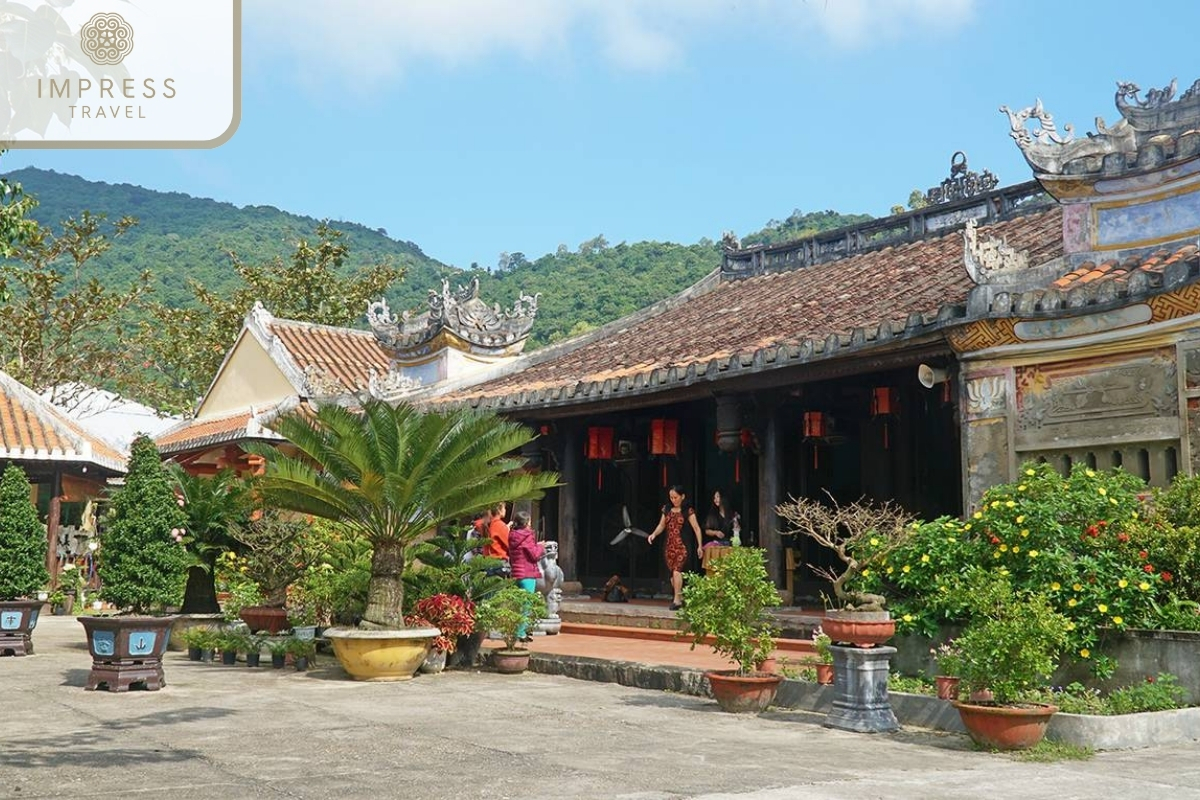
(22, 563)
(730, 605)
(142, 567)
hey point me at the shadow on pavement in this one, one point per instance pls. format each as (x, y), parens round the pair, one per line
(36, 755)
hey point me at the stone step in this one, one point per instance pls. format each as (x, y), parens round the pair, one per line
(794, 623)
(797, 646)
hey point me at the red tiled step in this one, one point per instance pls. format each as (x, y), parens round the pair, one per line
(661, 635)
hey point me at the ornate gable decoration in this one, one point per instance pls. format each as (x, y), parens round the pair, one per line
(392, 383)
(985, 258)
(962, 183)
(1158, 119)
(460, 313)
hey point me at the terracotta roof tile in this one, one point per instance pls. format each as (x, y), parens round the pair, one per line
(1153, 264)
(32, 429)
(342, 354)
(779, 308)
(210, 431)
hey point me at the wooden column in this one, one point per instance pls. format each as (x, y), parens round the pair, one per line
(52, 516)
(770, 482)
(568, 504)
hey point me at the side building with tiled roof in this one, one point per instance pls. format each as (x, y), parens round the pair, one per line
(919, 358)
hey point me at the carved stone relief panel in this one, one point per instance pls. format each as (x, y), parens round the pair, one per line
(987, 396)
(1095, 398)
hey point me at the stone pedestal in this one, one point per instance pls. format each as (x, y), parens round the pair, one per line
(860, 702)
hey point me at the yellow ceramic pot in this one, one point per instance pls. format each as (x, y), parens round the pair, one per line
(381, 655)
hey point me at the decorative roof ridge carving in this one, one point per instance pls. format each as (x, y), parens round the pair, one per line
(459, 312)
(391, 383)
(1143, 121)
(987, 256)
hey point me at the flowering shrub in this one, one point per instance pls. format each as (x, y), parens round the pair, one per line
(821, 643)
(949, 659)
(1083, 542)
(450, 614)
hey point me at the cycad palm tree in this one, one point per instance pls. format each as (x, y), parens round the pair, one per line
(392, 474)
(215, 506)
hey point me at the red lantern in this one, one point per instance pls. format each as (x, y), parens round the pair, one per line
(814, 425)
(883, 401)
(664, 437)
(600, 444)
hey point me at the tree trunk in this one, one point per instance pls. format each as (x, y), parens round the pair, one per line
(200, 595)
(385, 595)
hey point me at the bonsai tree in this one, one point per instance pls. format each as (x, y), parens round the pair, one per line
(22, 538)
(274, 552)
(143, 561)
(392, 474)
(859, 535)
(215, 507)
(729, 604)
(510, 611)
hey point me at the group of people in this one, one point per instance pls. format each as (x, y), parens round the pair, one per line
(721, 528)
(516, 545)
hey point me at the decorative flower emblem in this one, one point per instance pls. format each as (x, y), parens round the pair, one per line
(106, 38)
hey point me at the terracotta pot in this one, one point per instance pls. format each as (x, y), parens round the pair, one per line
(980, 696)
(271, 619)
(1006, 727)
(947, 687)
(510, 662)
(770, 665)
(825, 674)
(743, 694)
(859, 628)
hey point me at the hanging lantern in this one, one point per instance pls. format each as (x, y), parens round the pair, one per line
(600, 444)
(814, 425)
(883, 401)
(664, 437)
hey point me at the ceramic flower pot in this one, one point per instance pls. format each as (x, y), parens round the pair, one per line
(947, 687)
(271, 619)
(127, 651)
(859, 628)
(381, 655)
(743, 694)
(825, 674)
(18, 618)
(510, 662)
(1006, 727)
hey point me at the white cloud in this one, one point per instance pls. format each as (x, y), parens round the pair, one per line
(375, 40)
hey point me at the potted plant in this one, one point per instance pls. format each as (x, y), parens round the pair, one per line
(949, 664)
(450, 614)
(60, 603)
(254, 645)
(273, 545)
(230, 642)
(142, 566)
(861, 536)
(22, 563)
(278, 647)
(192, 639)
(508, 612)
(214, 508)
(1011, 646)
(824, 666)
(392, 475)
(729, 604)
(302, 652)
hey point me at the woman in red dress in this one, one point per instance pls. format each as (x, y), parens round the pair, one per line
(674, 516)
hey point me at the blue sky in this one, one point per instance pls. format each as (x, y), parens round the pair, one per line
(473, 127)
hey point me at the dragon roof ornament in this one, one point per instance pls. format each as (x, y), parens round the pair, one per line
(460, 313)
(1157, 115)
(962, 183)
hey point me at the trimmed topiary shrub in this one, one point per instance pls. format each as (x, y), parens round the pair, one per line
(22, 539)
(142, 560)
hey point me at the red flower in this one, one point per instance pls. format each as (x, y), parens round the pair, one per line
(995, 540)
(1093, 531)
(1166, 576)
(1149, 568)
(1143, 554)
(1122, 537)
(1103, 523)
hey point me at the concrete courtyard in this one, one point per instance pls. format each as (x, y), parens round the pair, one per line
(234, 732)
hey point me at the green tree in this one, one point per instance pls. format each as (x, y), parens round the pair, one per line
(392, 475)
(62, 329)
(215, 507)
(15, 226)
(22, 538)
(184, 347)
(142, 560)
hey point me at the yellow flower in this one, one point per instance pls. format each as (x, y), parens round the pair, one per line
(1055, 586)
(1077, 587)
(1145, 587)
(1020, 518)
(1016, 548)
(906, 568)
(1090, 473)
(1033, 553)
(1004, 572)
(925, 559)
(1085, 653)
(1118, 621)
(1103, 492)
(1024, 533)
(874, 540)
(1021, 488)
(995, 504)
(1070, 625)
(1029, 472)
(1102, 608)
(1122, 583)
(890, 570)
(866, 572)
(978, 515)
(995, 554)
(1010, 504)
(1003, 548)
(1134, 515)
(951, 539)
(908, 618)
(967, 527)
(1072, 602)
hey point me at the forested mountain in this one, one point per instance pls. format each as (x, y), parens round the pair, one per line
(180, 237)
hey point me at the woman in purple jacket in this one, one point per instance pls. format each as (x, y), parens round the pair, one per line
(524, 552)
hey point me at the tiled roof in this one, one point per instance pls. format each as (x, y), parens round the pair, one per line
(1122, 271)
(777, 319)
(32, 429)
(341, 354)
(193, 434)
